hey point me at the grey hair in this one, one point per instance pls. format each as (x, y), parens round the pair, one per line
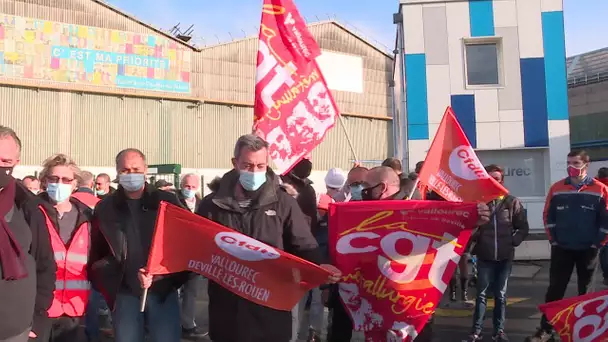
(181, 183)
(6, 132)
(86, 178)
(122, 153)
(249, 141)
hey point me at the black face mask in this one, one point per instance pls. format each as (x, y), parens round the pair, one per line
(368, 193)
(6, 174)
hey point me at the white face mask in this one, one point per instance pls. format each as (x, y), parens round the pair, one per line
(132, 182)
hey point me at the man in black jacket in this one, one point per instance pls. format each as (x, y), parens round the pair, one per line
(121, 238)
(307, 198)
(27, 263)
(495, 244)
(250, 201)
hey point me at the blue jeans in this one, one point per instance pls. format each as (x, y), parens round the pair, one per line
(494, 274)
(95, 305)
(160, 317)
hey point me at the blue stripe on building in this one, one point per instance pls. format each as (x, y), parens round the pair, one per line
(555, 65)
(481, 14)
(416, 97)
(464, 108)
(534, 101)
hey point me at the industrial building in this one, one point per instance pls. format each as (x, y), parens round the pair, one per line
(83, 78)
(501, 65)
(588, 100)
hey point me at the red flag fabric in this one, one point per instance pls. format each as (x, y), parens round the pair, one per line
(247, 267)
(452, 169)
(580, 319)
(397, 258)
(293, 108)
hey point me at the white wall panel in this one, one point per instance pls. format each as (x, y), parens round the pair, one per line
(559, 146)
(511, 134)
(417, 150)
(530, 28)
(552, 5)
(505, 13)
(459, 27)
(432, 132)
(488, 135)
(413, 26)
(438, 91)
(511, 115)
(486, 105)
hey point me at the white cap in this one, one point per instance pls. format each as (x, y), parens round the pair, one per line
(335, 178)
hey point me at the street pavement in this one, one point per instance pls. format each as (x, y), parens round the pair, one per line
(527, 286)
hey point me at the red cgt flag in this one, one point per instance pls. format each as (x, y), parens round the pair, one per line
(397, 258)
(249, 268)
(580, 319)
(293, 107)
(452, 169)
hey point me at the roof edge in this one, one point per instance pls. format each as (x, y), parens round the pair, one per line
(149, 26)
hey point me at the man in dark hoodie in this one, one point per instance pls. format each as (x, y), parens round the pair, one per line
(27, 264)
(307, 198)
(121, 237)
(251, 201)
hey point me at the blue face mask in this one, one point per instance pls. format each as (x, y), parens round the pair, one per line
(355, 192)
(100, 192)
(59, 192)
(251, 181)
(132, 182)
(188, 193)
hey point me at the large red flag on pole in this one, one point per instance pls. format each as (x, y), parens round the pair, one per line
(581, 318)
(293, 108)
(452, 169)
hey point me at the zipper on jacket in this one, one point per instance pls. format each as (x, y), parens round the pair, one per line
(495, 236)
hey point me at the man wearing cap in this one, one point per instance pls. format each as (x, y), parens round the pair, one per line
(334, 182)
(163, 185)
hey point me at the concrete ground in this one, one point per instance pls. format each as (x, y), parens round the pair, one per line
(526, 291)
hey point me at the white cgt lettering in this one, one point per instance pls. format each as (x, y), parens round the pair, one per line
(446, 252)
(598, 322)
(282, 74)
(412, 262)
(344, 245)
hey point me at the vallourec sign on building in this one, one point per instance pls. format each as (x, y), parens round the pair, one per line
(501, 65)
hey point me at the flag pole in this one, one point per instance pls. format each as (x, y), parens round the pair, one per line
(144, 297)
(414, 188)
(350, 143)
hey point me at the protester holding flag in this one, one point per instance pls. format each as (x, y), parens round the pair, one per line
(576, 220)
(250, 201)
(382, 183)
(307, 198)
(123, 226)
(495, 244)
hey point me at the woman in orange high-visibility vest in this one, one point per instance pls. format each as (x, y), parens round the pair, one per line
(68, 221)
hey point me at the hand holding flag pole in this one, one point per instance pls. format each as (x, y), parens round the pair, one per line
(146, 281)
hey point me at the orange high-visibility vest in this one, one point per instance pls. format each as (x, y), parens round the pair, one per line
(72, 287)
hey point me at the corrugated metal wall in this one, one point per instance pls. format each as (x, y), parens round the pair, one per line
(93, 128)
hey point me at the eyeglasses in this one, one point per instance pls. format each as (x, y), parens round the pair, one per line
(55, 179)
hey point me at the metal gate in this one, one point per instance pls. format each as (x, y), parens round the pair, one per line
(169, 172)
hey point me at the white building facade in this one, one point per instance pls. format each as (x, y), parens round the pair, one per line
(501, 65)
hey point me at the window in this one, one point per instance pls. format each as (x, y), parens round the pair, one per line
(524, 170)
(483, 62)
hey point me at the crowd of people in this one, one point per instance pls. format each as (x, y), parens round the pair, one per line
(73, 248)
